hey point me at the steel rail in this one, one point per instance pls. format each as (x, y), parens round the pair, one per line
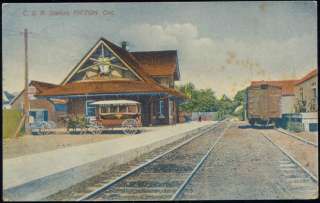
(314, 178)
(110, 184)
(184, 184)
(299, 138)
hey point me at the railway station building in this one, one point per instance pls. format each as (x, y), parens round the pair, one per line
(109, 72)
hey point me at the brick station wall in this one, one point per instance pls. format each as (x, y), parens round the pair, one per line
(76, 106)
(37, 104)
(44, 104)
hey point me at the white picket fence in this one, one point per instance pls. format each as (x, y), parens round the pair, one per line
(208, 116)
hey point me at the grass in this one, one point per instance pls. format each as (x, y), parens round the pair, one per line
(11, 120)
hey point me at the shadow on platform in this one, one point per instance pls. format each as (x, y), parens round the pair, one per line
(255, 127)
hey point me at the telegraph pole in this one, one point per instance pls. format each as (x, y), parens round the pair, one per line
(26, 88)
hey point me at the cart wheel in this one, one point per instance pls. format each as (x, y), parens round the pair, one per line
(130, 126)
(95, 130)
(52, 124)
(43, 130)
(101, 128)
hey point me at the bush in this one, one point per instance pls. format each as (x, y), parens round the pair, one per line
(215, 116)
(239, 114)
(220, 115)
(74, 122)
(11, 120)
(295, 126)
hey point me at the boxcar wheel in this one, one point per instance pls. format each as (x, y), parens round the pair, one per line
(252, 122)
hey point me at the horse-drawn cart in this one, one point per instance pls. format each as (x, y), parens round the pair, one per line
(111, 114)
(124, 114)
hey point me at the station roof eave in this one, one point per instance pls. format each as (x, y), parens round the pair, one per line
(107, 88)
(103, 95)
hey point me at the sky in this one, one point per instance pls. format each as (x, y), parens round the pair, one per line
(221, 45)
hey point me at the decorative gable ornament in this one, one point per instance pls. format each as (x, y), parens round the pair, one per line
(102, 64)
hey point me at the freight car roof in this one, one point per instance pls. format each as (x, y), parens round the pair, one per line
(287, 86)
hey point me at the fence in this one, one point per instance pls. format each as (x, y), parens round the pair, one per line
(205, 116)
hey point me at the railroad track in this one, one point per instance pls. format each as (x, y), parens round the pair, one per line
(301, 182)
(92, 184)
(297, 138)
(165, 176)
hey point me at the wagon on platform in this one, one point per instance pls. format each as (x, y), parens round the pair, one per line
(123, 114)
(42, 127)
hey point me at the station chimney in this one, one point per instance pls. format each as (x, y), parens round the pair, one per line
(124, 45)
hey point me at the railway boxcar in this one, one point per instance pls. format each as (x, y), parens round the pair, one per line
(264, 104)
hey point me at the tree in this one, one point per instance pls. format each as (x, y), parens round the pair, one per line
(202, 100)
(187, 89)
(238, 101)
(225, 106)
(239, 97)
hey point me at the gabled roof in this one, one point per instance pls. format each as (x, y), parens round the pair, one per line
(7, 97)
(121, 53)
(146, 84)
(159, 63)
(145, 64)
(108, 87)
(310, 75)
(40, 87)
(287, 86)
(129, 59)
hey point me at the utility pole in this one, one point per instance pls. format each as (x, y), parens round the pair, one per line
(26, 88)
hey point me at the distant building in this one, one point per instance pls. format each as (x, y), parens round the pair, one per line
(41, 109)
(6, 98)
(306, 100)
(306, 93)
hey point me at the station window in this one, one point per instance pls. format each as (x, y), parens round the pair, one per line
(90, 109)
(161, 108)
(301, 93)
(60, 107)
(314, 92)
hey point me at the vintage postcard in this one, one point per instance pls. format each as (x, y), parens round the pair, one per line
(152, 101)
